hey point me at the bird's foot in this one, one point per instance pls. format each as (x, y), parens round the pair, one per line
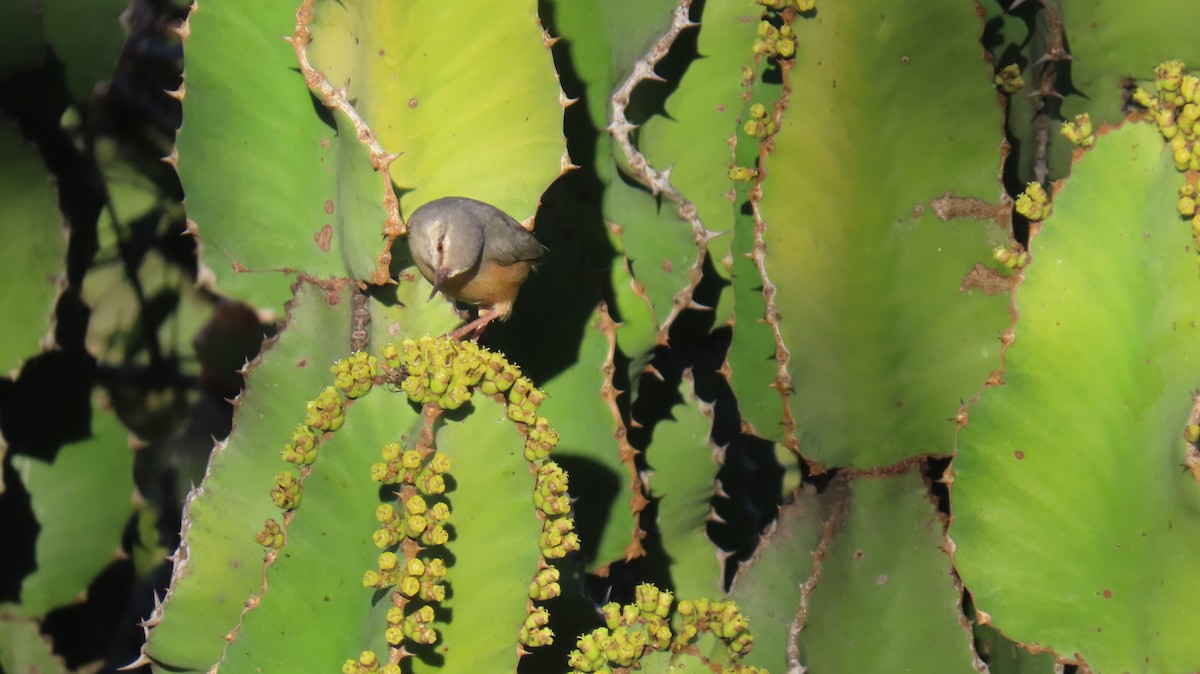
(475, 328)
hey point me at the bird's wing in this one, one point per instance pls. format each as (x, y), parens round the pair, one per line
(513, 243)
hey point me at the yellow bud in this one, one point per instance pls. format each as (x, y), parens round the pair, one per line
(414, 567)
(1183, 158)
(410, 586)
(1168, 76)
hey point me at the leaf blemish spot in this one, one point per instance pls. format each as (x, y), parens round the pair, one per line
(324, 237)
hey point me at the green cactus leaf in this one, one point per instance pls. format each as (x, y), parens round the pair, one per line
(886, 581)
(684, 466)
(491, 558)
(82, 502)
(319, 570)
(785, 552)
(605, 39)
(219, 565)
(692, 138)
(22, 646)
(871, 303)
(115, 333)
(659, 246)
(746, 294)
(866, 565)
(87, 36)
(1029, 120)
(405, 308)
(495, 545)
(33, 256)
(1078, 454)
(254, 157)
(21, 40)
(606, 506)
(1105, 52)
(1005, 657)
(493, 132)
(272, 186)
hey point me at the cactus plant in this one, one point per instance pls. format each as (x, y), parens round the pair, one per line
(29, 198)
(866, 341)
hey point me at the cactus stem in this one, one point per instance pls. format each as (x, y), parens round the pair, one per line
(659, 182)
(783, 379)
(625, 450)
(1192, 461)
(380, 159)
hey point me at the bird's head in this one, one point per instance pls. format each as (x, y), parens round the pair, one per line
(444, 243)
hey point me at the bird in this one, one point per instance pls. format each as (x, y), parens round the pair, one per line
(474, 252)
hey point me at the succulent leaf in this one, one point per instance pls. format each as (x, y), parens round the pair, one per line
(1107, 455)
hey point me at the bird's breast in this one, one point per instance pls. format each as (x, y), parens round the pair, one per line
(491, 284)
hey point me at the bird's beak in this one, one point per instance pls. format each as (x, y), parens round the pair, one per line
(437, 283)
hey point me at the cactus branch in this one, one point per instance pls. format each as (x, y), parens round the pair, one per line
(659, 182)
(381, 160)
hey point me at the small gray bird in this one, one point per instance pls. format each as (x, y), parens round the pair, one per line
(474, 252)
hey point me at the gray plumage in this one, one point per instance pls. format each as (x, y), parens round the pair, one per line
(472, 229)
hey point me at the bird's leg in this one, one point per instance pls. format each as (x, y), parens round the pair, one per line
(475, 327)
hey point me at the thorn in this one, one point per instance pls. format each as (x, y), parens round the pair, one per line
(653, 371)
(718, 454)
(172, 159)
(620, 128)
(1055, 55)
(177, 94)
(1051, 94)
(141, 661)
(693, 304)
(1016, 4)
(182, 30)
(385, 162)
(719, 489)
